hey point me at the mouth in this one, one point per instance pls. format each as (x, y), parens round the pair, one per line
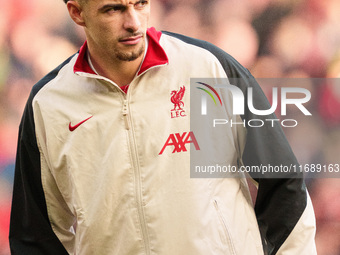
(131, 40)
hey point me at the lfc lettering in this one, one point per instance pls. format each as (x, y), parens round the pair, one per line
(177, 114)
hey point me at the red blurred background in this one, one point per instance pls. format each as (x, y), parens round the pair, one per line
(272, 38)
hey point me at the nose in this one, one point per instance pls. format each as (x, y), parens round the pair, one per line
(131, 22)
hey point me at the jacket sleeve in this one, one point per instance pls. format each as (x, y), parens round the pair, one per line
(30, 229)
(283, 208)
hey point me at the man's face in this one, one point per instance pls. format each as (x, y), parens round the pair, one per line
(116, 28)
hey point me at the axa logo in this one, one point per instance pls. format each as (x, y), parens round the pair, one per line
(177, 100)
(177, 142)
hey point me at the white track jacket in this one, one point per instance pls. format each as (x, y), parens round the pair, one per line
(100, 171)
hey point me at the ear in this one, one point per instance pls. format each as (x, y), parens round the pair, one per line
(75, 11)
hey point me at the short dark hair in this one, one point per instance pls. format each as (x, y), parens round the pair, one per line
(65, 1)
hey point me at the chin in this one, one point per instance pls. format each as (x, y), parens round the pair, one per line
(130, 56)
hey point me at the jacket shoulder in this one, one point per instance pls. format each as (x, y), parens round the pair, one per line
(48, 77)
(231, 66)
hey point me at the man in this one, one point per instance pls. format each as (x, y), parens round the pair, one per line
(103, 162)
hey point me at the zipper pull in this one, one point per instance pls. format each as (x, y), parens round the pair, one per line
(125, 114)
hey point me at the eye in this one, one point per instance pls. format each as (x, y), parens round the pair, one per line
(114, 8)
(141, 4)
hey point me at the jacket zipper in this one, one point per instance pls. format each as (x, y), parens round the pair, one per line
(135, 165)
(125, 114)
(228, 236)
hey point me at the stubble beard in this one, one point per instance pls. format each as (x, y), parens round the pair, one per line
(130, 56)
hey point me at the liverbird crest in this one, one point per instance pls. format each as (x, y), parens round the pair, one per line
(176, 98)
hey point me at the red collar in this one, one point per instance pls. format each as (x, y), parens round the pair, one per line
(155, 55)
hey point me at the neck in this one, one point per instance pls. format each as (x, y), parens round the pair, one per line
(120, 72)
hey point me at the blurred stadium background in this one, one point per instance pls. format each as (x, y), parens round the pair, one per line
(272, 38)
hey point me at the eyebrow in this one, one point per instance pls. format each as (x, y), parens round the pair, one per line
(118, 4)
(107, 6)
